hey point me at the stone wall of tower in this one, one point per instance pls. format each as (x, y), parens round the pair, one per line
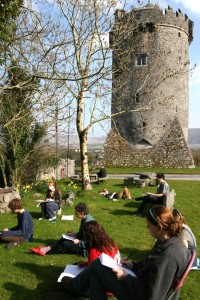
(171, 152)
(154, 93)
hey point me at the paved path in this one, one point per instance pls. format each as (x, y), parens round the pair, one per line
(191, 177)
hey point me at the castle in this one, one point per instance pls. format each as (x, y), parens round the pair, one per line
(150, 84)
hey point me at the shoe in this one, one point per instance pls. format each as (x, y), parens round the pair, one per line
(38, 251)
(137, 214)
(41, 219)
(12, 244)
(67, 283)
(52, 219)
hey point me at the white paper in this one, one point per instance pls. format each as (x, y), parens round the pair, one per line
(68, 237)
(109, 262)
(40, 201)
(70, 271)
(68, 218)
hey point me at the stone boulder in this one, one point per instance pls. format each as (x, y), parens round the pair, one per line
(6, 195)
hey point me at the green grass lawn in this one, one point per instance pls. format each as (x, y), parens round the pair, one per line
(24, 275)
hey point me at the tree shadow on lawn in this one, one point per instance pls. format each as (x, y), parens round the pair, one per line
(121, 212)
(20, 292)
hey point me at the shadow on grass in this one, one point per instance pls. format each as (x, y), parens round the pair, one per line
(35, 215)
(133, 254)
(39, 293)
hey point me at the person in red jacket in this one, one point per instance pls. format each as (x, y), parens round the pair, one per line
(98, 242)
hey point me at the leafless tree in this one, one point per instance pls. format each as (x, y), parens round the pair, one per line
(65, 45)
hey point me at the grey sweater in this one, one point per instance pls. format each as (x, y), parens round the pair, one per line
(156, 272)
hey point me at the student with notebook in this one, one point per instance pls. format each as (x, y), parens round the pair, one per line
(52, 203)
(154, 274)
(23, 231)
(76, 244)
(98, 242)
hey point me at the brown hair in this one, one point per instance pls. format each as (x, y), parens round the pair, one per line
(15, 204)
(96, 237)
(82, 207)
(178, 216)
(162, 216)
(53, 183)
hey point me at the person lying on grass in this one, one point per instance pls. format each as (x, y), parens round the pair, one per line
(65, 246)
(23, 231)
(123, 194)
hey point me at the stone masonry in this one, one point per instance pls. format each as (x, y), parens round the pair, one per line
(171, 152)
(150, 82)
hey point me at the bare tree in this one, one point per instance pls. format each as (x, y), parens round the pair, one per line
(65, 44)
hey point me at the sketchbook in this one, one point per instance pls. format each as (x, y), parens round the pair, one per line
(67, 218)
(109, 262)
(70, 271)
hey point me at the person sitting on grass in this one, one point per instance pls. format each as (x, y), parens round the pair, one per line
(123, 194)
(64, 246)
(154, 274)
(23, 231)
(98, 241)
(154, 198)
(52, 202)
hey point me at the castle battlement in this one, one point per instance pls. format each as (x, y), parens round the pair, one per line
(154, 14)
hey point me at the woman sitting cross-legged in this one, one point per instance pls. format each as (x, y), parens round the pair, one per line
(52, 202)
(154, 274)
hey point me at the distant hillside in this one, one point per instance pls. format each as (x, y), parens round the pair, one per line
(194, 137)
(97, 142)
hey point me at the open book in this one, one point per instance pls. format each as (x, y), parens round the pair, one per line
(109, 262)
(70, 271)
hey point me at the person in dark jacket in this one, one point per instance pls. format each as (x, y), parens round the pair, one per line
(65, 246)
(23, 231)
(52, 202)
(102, 173)
(154, 275)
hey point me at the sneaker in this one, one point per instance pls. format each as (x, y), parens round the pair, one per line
(52, 219)
(12, 244)
(38, 251)
(41, 219)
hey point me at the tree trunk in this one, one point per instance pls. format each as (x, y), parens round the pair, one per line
(84, 161)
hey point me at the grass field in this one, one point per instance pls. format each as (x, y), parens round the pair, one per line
(24, 275)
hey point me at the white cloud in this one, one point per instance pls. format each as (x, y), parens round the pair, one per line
(193, 5)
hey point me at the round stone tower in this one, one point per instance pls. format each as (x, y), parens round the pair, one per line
(150, 72)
